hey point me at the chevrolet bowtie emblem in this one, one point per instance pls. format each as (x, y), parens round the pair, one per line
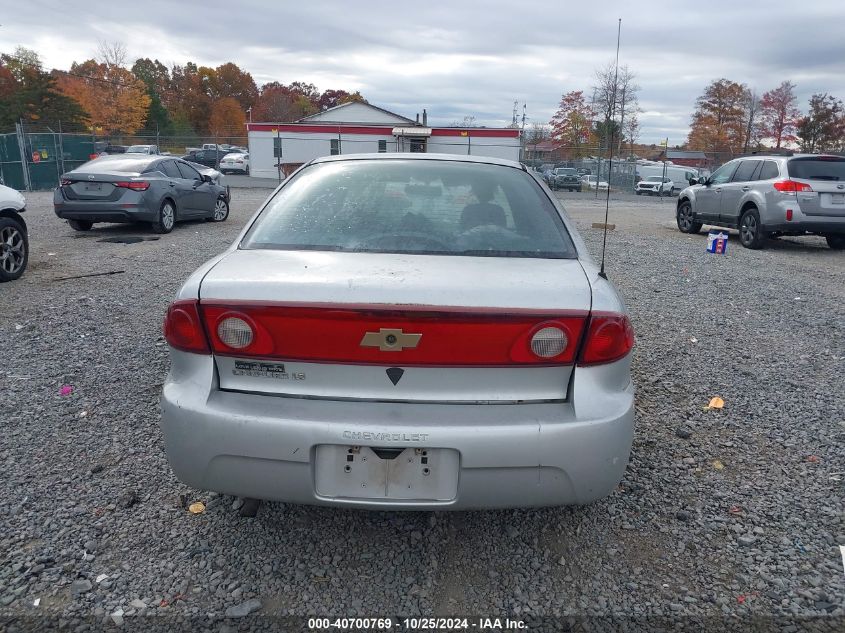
(390, 340)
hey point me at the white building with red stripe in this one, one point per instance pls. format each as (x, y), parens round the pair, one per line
(360, 128)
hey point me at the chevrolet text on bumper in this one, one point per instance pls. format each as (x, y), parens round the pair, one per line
(410, 371)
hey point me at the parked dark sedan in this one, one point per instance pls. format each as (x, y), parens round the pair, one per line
(138, 188)
(207, 157)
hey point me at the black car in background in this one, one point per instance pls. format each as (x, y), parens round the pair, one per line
(207, 157)
(102, 148)
(161, 190)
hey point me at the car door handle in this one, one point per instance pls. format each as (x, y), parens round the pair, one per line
(718, 190)
(172, 184)
(746, 188)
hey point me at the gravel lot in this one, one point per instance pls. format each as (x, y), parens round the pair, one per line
(733, 513)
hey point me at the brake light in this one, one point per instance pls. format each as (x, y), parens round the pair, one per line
(609, 338)
(418, 336)
(134, 185)
(183, 328)
(791, 186)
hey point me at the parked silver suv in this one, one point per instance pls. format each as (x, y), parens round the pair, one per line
(769, 196)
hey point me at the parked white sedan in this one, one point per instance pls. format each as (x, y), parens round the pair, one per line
(235, 163)
(402, 331)
(590, 183)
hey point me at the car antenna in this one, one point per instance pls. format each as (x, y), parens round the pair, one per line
(602, 272)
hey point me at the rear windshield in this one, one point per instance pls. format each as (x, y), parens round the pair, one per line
(412, 206)
(120, 164)
(817, 168)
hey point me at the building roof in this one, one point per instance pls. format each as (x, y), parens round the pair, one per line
(674, 153)
(356, 112)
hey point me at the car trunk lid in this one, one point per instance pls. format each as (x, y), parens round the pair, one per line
(395, 327)
(102, 186)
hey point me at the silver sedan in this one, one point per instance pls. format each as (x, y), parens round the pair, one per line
(402, 331)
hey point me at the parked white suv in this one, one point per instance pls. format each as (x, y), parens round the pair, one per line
(769, 196)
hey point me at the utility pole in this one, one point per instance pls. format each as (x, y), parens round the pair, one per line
(522, 137)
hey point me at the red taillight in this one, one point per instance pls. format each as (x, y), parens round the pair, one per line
(134, 185)
(183, 328)
(789, 215)
(791, 186)
(362, 335)
(609, 338)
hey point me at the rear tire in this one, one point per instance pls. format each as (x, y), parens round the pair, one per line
(14, 249)
(686, 220)
(751, 233)
(80, 225)
(836, 242)
(166, 218)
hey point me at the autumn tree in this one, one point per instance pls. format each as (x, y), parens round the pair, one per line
(332, 98)
(28, 93)
(188, 102)
(228, 80)
(572, 123)
(227, 120)
(823, 128)
(115, 100)
(779, 114)
(278, 102)
(156, 77)
(718, 123)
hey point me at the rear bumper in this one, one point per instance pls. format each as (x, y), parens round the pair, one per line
(822, 227)
(509, 455)
(774, 220)
(94, 211)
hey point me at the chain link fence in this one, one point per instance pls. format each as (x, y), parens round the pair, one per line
(33, 156)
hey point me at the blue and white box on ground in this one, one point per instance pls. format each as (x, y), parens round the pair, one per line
(717, 242)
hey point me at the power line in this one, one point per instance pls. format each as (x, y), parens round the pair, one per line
(72, 74)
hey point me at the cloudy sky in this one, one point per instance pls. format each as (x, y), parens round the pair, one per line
(459, 58)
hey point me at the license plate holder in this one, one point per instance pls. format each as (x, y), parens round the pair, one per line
(93, 186)
(415, 473)
(837, 198)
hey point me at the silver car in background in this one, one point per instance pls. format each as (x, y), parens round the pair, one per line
(769, 196)
(402, 331)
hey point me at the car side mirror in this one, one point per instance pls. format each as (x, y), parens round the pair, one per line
(207, 178)
(693, 181)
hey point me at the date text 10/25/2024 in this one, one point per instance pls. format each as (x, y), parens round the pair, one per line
(481, 624)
